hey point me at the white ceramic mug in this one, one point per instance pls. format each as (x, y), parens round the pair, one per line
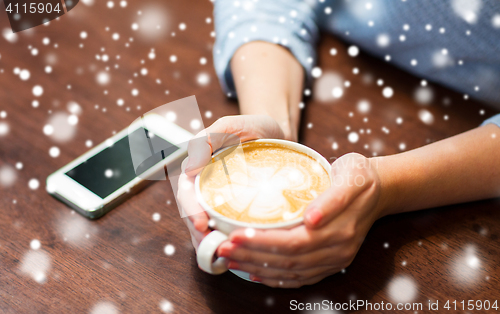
(224, 225)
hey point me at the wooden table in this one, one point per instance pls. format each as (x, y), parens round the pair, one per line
(117, 263)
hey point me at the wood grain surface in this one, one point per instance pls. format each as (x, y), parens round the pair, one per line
(117, 264)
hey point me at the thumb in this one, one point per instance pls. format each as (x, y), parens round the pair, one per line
(199, 154)
(330, 204)
(342, 192)
(204, 144)
(228, 131)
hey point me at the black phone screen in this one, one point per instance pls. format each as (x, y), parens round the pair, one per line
(112, 168)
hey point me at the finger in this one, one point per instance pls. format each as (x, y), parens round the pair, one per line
(196, 236)
(278, 241)
(199, 153)
(248, 127)
(183, 164)
(348, 183)
(278, 283)
(296, 241)
(226, 131)
(200, 221)
(329, 205)
(261, 126)
(327, 256)
(191, 229)
(276, 273)
(187, 198)
(223, 132)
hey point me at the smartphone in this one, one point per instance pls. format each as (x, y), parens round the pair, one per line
(108, 174)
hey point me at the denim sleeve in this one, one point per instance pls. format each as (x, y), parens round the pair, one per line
(289, 23)
(495, 120)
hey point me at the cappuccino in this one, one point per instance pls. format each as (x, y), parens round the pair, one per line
(262, 183)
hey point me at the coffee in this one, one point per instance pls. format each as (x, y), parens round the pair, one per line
(262, 183)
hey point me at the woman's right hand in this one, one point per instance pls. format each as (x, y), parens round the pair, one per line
(221, 133)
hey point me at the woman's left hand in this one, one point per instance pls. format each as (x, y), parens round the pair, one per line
(335, 225)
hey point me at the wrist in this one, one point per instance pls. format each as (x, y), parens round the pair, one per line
(382, 205)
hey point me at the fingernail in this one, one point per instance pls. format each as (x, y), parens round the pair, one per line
(314, 216)
(255, 278)
(226, 249)
(233, 265)
(200, 225)
(236, 240)
(189, 165)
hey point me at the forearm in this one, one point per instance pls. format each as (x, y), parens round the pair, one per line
(462, 168)
(269, 80)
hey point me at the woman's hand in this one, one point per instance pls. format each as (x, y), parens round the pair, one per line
(336, 224)
(223, 132)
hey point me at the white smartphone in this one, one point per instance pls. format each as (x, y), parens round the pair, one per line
(105, 176)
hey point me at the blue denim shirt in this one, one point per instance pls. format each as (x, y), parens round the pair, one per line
(455, 43)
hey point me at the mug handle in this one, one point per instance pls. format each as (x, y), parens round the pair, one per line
(206, 252)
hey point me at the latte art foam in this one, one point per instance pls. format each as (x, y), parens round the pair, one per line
(268, 183)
